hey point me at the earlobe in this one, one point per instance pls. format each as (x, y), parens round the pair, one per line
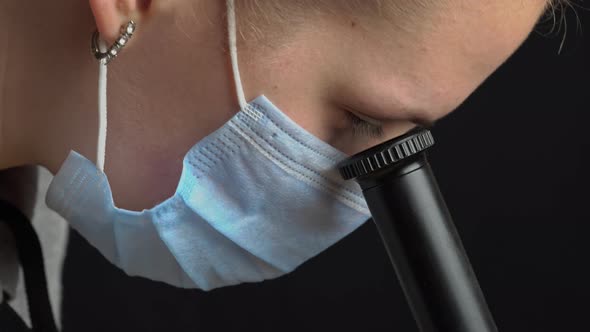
(110, 15)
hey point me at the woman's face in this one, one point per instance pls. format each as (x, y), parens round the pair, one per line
(397, 73)
(173, 83)
(412, 67)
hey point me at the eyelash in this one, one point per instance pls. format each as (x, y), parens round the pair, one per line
(362, 127)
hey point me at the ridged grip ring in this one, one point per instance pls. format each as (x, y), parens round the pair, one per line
(386, 154)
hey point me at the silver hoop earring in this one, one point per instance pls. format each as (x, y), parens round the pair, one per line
(126, 34)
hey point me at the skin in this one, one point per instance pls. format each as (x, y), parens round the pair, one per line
(173, 85)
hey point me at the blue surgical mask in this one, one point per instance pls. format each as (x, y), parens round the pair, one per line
(257, 198)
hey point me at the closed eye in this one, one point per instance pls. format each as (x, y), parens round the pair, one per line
(362, 128)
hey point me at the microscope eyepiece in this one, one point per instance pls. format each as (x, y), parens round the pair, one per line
(386, 154)
(419, 235)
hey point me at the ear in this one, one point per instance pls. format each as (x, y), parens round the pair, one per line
(110, 15)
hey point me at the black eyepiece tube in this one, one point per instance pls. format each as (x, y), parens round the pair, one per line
(419, 235)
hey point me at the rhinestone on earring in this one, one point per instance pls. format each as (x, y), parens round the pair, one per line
(126, 34)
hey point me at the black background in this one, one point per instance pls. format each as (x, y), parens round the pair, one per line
(513, 163)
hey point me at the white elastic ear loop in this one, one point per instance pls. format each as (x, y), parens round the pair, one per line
(102, 110)
(102, 84)
(233, 51)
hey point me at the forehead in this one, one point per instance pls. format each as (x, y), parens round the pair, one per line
(431, 64)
